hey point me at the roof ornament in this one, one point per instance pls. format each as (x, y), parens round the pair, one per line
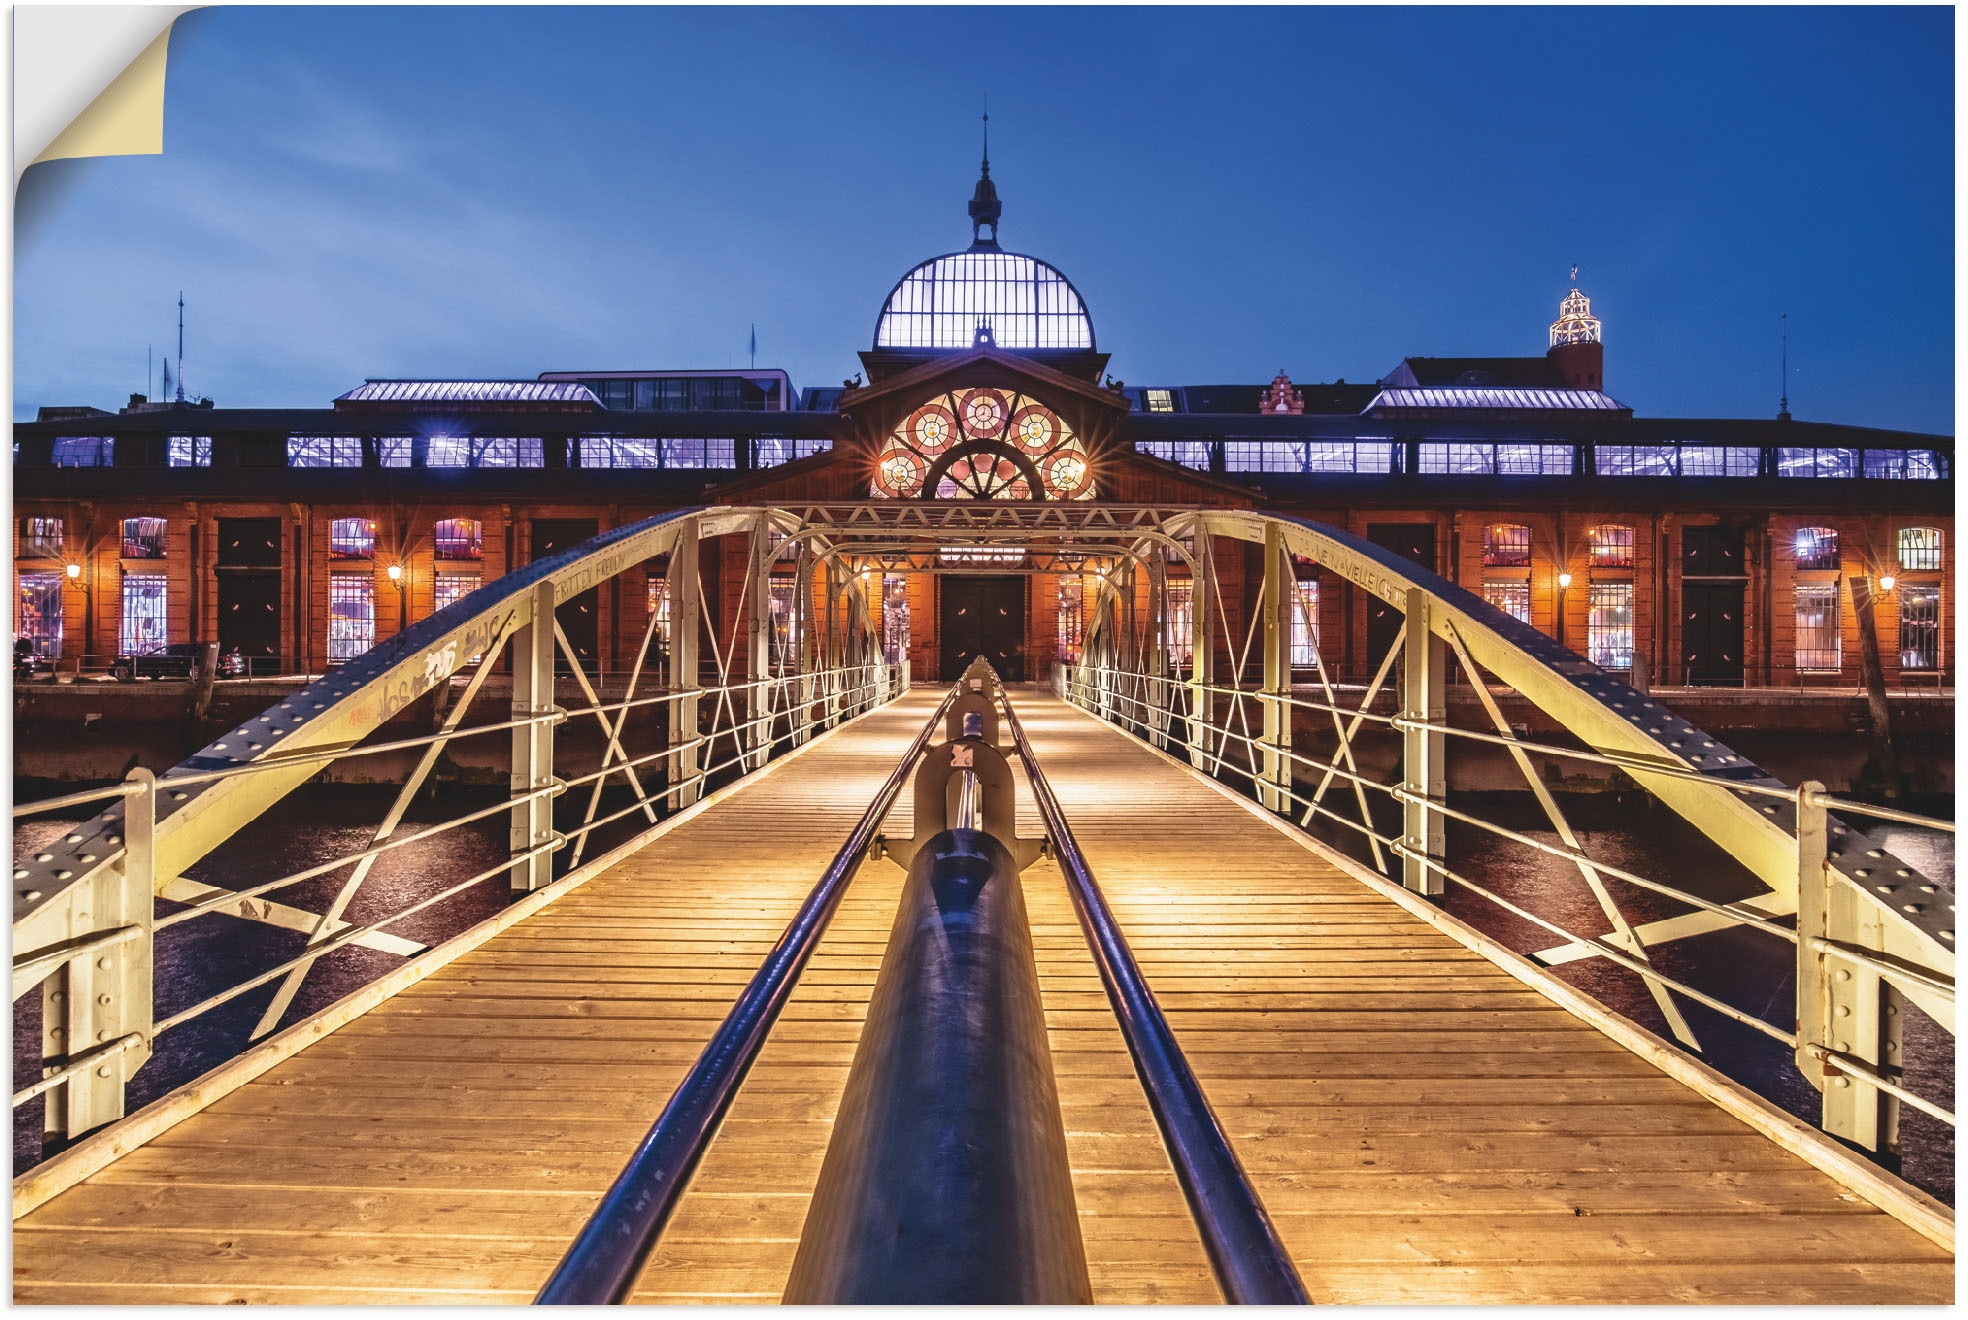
(985, 338)
(984, 205)
(1575, 324)
(1281, 397)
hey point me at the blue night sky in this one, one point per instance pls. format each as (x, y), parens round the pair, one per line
(496, 192)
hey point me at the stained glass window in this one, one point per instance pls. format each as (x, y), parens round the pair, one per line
(983, 444)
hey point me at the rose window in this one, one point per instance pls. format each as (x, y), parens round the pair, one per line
(983, 444)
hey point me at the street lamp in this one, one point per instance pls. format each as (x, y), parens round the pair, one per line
(74, 572)
(1887, 581)
(402, 598)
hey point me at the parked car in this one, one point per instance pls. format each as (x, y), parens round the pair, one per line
(178, 660)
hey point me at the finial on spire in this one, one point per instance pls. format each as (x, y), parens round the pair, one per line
(1783, 397)
(1575, 272)
(984, 205)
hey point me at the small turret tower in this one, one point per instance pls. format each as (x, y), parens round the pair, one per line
(1576, 349)
(985, 208)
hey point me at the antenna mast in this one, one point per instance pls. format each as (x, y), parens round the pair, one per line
(1783, 392)
(181, 346)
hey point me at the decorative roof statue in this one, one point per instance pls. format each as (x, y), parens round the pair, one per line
(1281, 397)
(1575, 324)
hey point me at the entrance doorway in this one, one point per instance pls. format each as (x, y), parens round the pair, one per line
(249, 617)
(1713, 583)
(982, 616)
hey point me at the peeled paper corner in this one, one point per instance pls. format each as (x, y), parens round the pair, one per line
(126, 118)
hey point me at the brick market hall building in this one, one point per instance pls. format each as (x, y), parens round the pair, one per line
(1675, 550)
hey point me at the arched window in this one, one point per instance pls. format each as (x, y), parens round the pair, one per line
(1610, 545)
(1920, 549)
(351, 538)
(1506, 545)
(1817, 547)
(983, 444)
(458, 538)
(143, 538)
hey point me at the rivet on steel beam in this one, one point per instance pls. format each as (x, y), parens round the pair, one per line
(103, 963)
(103, 1000)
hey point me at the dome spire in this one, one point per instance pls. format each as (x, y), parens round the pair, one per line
(984, 205)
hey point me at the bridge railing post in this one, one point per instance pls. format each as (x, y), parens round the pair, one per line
(686, 602)
(756, 744)
(97, 1008)
(1202, 702)
(1273, 781)
(1845, 1012)
(1157, 685)
(533, 744)
(1424, 770)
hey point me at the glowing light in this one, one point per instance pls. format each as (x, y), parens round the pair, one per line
(1887, 581)
(1564, 580)
(74, 572)
(980, 554)
(396, 572)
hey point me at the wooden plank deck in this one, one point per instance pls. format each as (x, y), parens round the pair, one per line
(1422, 1126)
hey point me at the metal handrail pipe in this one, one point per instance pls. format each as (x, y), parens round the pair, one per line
(946, 1180)
(1831, 803)
(95, 1058)
(1249, 1261)
(352, 935)
(31, 970)
(83, 798)
(1846, 1063)
(602, 1264)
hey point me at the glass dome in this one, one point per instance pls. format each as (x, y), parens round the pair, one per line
(1025, 303)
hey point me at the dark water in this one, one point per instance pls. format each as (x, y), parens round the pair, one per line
(1746, 969)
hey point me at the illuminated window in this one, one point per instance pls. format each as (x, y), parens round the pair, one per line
(785, 624)
(1506, 545)
(1189, 453)
(484, 451)
(1903, 464)
(327, 451)
(1920, 626)
(1920, 549)
(895, 618)
(1609, 626)
(1676, 460)
(1720, 461)
(457, 538)
(1025, 303)
(143, 538)
(351, 615)
(144, 614)
(1305, 624)
(351, 538)
(1181, 624)
(1817, 547)
(38, 613)
(983, 444)
(658, 604)
(1072, 618)
(393, 451)
(1512, 597)
(1161, 400)
(1817, 462)
(1510, 460)
(700, 454)
(1820, 649)
(1611, 546)
(452, 586)
(41, 538)
(188, 451)
(84, 451)
(772, 450)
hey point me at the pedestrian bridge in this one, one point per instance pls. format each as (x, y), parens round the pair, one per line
(1264, 1070)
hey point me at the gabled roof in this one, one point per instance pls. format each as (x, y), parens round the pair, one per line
(409, 393)
(1493, 400)
(1504, 372)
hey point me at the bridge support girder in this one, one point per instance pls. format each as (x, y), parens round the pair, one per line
(1274, 776)
(686, 607)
